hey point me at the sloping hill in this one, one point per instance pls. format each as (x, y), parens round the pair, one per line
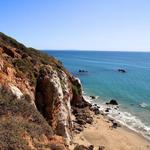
(36, 94)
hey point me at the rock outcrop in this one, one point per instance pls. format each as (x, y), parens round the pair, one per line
(53, 96)
(122, 70)
(37, 95)
(112, 102)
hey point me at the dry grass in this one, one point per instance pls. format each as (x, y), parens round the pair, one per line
(18, 117)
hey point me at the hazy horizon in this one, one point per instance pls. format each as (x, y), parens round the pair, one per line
(94, 50)
(110, 25)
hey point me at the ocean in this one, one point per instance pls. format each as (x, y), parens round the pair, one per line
(130, 89)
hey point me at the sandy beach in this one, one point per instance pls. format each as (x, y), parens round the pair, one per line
(100, 133)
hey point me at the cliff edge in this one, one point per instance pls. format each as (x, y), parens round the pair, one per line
(37, 95)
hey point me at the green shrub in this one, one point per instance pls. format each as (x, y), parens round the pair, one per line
(75, 89)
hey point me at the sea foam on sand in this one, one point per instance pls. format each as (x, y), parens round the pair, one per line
(124, 118)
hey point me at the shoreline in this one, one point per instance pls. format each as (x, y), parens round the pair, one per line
(134, 132)
(108, 115)
(100, 133)
(128, 129)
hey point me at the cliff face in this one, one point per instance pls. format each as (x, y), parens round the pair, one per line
(53, 96)
(36, 94)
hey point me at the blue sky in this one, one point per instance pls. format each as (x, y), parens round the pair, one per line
(78, 24)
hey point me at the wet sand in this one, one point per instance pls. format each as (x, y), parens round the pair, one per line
(100, 133)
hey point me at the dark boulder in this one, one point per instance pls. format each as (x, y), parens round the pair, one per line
(122, 70)
(80, 102)
(81, 147)
(107, 109)
(91, 147)
(77, 127)
(115, 125)
(93, 97)
(81, 121)
(101, 148)
(95, 109)
(82, 117)
(89, 120)
(112, 102)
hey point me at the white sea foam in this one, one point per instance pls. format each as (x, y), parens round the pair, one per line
(143, 105)
(124, 118)
(87, 98)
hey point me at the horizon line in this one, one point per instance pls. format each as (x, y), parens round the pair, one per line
(90, 50)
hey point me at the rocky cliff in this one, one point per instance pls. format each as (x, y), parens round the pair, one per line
(36, 97)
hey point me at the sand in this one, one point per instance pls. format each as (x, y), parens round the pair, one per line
(100, 133)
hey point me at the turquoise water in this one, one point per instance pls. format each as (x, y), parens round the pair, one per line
(130, 89)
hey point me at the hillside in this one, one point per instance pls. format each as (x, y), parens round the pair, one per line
(37, 95)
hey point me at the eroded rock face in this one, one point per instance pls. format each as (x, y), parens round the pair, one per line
(22, 126)
(53, 96)
(78, 100)
(1, 64)
(15, 91)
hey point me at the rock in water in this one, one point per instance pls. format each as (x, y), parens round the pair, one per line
(112, 102)
(122, 70)
(83, 71)
(93, 97)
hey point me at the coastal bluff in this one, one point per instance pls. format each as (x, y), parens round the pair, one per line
(37, 95)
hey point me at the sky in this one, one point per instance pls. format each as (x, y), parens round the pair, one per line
(120, 25)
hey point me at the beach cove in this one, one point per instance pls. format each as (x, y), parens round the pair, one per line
(104, 132)
(100, 78)
(101, 135)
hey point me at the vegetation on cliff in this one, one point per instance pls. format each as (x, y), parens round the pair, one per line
(37, 96)
(27, 61)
